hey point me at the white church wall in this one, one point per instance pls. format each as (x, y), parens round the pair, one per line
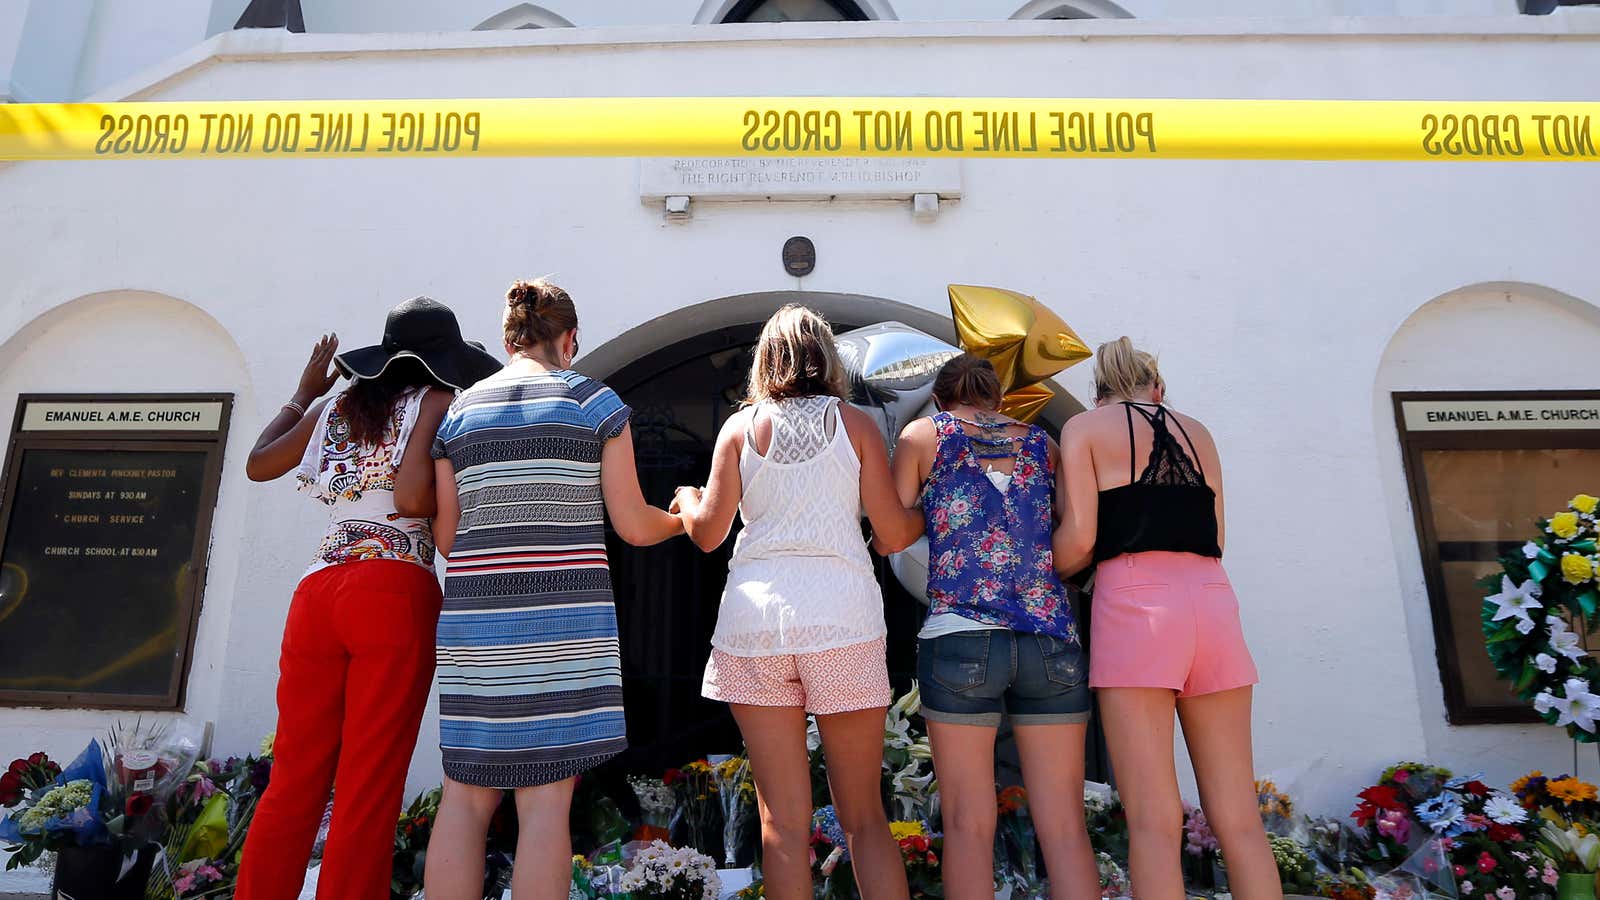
(1270, 290)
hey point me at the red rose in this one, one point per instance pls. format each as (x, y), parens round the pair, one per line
(671, 776)
(139, 805)
(38, 759)
(18, 766)
(1502, 834)
(10, 789)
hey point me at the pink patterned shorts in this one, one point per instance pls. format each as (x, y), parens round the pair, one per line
(844, 679)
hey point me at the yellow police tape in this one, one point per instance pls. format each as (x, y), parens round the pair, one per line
(806, 126)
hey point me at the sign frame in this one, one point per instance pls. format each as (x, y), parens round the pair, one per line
(211, 443)
(1412, 444)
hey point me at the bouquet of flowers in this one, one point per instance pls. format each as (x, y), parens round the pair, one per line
(656, 802)
(1200, 856)
(1108, 821)
(1465, 833)
(209, 815)
(145, 767)
(55, 814)
(1114, 883)
(908, 761)
(695, 820)
(25, 776)
(831, 855)
(662, 872)
(1541, 591)
(919, 850)
(737, 793)
(1277, 810)
(411, 834)
(1295, 869)
(1017, 851)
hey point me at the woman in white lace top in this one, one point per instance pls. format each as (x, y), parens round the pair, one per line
(800, 629)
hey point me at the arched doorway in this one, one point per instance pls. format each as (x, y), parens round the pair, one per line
(684, 374)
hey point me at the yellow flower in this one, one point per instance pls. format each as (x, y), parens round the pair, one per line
(1584, 503)
(1564, 525)
(1520, 784)
(1571, 790)
(1576, 568)
(902, 830)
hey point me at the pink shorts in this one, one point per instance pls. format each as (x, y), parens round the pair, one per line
(1167, 620)
(843, 679)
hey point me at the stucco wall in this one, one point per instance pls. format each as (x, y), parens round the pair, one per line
(1270, 290)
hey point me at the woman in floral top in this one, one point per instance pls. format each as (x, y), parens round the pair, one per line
(1000, 636)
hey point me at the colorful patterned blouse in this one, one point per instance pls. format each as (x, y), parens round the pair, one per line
(989, 556)
(358, 483)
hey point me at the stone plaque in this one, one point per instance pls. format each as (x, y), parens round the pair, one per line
(105, 532)
(802, 178)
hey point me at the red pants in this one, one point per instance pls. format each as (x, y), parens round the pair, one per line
(353, 681)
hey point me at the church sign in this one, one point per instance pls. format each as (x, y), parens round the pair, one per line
(104, 533)
(798, 178)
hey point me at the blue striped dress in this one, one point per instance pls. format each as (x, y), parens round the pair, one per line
(530, 678)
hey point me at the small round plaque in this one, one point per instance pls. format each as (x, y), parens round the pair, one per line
(799, 256)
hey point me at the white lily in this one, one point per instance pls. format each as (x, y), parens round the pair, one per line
(1584, 848)
(1515, 601)
(908, 704)
(813, 735)
(1564, 640)
(1545, 663)
(1577, 707)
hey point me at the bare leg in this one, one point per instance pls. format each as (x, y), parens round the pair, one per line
(1139, 732)
(1217, 729)
(775, 737)
(963, 759)
(853, 744)
(456, 849)
(1052, 770)
(543, 869)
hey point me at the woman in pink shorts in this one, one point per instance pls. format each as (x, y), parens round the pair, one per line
(801, 628)
(1144, 506)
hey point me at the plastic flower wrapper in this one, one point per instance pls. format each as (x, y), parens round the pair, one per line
(695, 821)
(145, 765)
(656, 803)
(61, 814)
(1425, 873)
(736, 792)
(1108, 822)
(1017, 845)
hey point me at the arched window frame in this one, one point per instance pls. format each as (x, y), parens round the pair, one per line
(716, 12)
(523, 15)
(1071, 9)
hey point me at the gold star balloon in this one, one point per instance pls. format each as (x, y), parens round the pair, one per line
(1025, 341)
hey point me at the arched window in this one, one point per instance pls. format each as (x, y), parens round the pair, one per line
(1071, 9)
(523, 16)
(794, 11)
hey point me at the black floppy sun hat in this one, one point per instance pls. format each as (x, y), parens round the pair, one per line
(425, 330)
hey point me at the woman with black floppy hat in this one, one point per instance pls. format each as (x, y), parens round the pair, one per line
(358, 654)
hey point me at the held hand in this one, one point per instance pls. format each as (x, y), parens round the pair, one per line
(684, 498)
(319, 375)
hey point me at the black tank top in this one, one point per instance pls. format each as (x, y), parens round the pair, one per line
(1168, 507)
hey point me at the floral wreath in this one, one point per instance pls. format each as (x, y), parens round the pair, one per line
(1552, 580)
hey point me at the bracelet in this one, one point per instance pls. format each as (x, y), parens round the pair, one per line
(298, 409)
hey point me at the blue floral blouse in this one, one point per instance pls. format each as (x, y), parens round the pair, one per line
(989, 555)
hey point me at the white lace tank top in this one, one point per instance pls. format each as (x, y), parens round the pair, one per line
(800, 580)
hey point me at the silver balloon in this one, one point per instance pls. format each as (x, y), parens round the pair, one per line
(891, 367)
(910, 566)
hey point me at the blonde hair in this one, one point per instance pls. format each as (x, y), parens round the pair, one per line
(1122, 371)
(795, 357)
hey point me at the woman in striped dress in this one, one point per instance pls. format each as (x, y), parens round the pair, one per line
(530, 679)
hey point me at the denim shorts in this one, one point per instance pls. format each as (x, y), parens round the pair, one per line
(976, 677)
